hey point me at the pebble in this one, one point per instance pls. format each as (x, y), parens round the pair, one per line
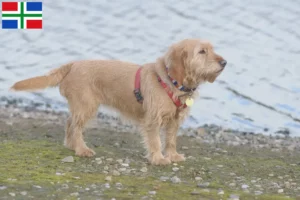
(108, 178)
(24, 193)
(234, 197)
(87, 189)
(258, 192)
(106, 185)
(144, 169)
(68, 159)
(119, 185)
(127, 161)
(125, 165)
(232, 174)
(198, 178)
(152, 192)
(65, 186)
(75, 194)
(116, 173)
(37, 186)
(253, 181)
(97, 159)
(184, 148)
(12, 194)
(58, 174)
(203, 185)
(2, 187)
(164, 178)
(99, 162)
(175, 169)
(280, 191)
(106, 168)
(220, 192)
(123, 169)
(120, 161)
(287, 184)
(220, 166)
(109, 159)
(206, 190)
(244, 186)
(195, 193)
(271, 175)
(175, 179)
(232, 184)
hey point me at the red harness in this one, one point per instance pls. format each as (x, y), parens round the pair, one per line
(138, 94)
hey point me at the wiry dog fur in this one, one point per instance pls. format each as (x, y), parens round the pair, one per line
(89, 84)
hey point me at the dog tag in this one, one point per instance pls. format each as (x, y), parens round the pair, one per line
(189, 102)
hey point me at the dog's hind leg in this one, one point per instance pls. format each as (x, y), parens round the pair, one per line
(82, 109)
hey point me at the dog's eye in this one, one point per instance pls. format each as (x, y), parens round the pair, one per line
(202, 51)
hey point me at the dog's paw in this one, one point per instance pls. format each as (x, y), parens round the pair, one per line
(176, 157)
(159, 160)
(85, 152)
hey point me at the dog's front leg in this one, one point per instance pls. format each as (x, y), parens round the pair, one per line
(171, 139)
(153, 143)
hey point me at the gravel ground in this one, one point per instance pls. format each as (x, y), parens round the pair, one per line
(221, 164)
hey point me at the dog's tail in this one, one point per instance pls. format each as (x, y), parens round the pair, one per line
(40, 82)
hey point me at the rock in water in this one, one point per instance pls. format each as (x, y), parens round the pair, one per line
(68, 159)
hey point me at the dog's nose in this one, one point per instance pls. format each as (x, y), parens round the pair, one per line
(223, 63)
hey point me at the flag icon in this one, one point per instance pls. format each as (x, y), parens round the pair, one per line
(22, 15)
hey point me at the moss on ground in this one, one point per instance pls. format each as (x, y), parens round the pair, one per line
(30, 160)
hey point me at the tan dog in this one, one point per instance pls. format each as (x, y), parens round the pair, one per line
(88, 84)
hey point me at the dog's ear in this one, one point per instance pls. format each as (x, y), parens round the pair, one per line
(176, 56)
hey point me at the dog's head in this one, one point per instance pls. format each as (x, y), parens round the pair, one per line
(194, 61)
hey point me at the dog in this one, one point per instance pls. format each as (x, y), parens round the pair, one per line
(156, 95)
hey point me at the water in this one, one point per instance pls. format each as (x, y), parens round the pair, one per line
(260, 88)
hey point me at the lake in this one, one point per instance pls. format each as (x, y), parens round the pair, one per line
(259, 91)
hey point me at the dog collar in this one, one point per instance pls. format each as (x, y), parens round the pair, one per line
(180, 87)
(138, 94)
(176, 101)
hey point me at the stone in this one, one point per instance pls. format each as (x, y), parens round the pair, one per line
(144, 169)
(244, 186)
(234, 197)
(97, 159)
(75, 194)
(24, 193)
(125, 165)
(175, 179)
(198, 178)
(258, 193)
(220, 192)
(120, 161)
(116, 173)
(108, 178)
(203, 185)
(12, 194)
(123, 169)
(119, 185)
(175, 169)
(152, 192)
(164, 178)
(280, 191)
(184, 148)
(68, 159)
(195, 193)
(2, 187)
(109, 159)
